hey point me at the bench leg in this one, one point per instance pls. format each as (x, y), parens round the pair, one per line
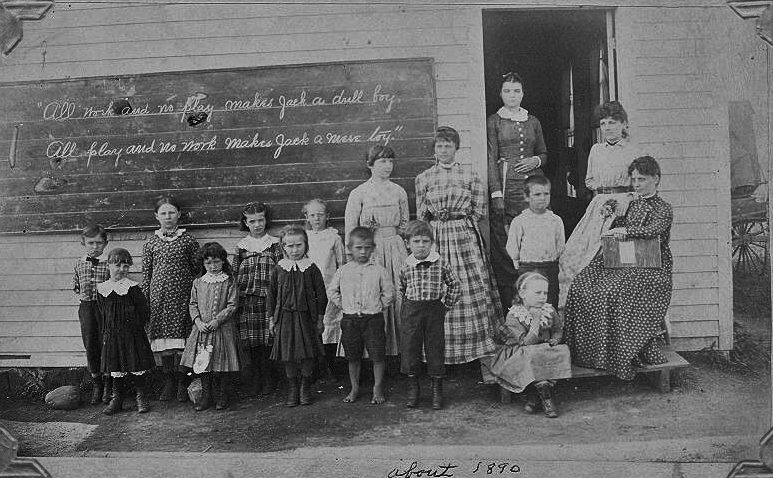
(661, 380)
(505, 396)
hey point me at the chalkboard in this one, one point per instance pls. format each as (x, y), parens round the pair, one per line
(104, 149)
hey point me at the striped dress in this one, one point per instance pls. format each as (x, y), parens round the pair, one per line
(449, 194)
(382, 207)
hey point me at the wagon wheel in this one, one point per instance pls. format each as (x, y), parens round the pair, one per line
(750, 246)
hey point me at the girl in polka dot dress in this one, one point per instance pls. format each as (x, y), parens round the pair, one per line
(168, 267)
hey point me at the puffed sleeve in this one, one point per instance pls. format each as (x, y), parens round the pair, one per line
(352, 212)
(494, 166)
(232, 300)
(590, 180)
(193, 303)
(540, 149)
(147, 267)
(422, 212)
(478, 200)
(656, 223)
(140, 305)
(404, 213)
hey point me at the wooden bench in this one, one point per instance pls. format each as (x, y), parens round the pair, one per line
(658, 375)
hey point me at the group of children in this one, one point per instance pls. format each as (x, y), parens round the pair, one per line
(272, 305)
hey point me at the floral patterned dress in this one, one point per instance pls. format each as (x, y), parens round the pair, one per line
(382, 207)
(168, 268)
(453, 201)
(613, 316)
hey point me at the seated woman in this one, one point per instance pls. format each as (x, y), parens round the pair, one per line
(531, 358)
(613, 317)
(607, 177)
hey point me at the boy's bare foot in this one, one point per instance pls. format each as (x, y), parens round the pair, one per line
(352, 397)
(378, 396)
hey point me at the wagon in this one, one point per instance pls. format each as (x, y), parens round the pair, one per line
(750, 230)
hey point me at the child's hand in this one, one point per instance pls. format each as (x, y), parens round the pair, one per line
(553, 342)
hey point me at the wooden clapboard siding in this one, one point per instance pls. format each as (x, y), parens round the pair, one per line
(668, 80)
(668, 83)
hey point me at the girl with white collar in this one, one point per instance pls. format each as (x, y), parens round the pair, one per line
(123, 311)
(255, 258)
(168, 268)
(297, 302)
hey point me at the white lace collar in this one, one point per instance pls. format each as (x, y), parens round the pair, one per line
(520, 115)
(120, 287)
(432, 257)
(251, 244)
(301, 265)
(211, 278)
(177, 233)
(102, 258)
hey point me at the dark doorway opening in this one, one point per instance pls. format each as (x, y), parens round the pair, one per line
(562, 55)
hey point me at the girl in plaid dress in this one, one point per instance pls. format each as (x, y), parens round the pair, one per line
(255, 257)
(453, 200)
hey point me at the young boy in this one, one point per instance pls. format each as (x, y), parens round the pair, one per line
(536, 236)
(362, 289)
(90, 270)
(429, 287)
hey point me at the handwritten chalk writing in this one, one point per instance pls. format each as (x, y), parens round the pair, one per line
(256, 103)
(281, 142)
(285, 102)
(333, 138)
(166, 108)
(164, 147)
(342, 99)
(141, 148)
(389, 99)
(136, 111)
(414, 471)
(59, 110)
(103, 151)
(92, 112)
(318, 101)
(491, 468)
(200, 145)
(194, 105)
(385, 135)
(255, 142)
(61, 150)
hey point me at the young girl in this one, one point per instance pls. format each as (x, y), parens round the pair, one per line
(326, 250)
(168, 267)
(255, 257)
(531, 358)
(297, 302)
(212, 307)
(123, 311)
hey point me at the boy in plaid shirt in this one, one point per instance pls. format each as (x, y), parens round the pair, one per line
(429, 287)
(90, 270)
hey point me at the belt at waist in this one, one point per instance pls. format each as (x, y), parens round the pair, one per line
(448, 216)
(362, 316)
(385, 231)
(614, 190)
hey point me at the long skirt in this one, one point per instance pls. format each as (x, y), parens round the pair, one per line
(613, 315)
(501, 262)
(514, 367)
(390, 253)
(471, 324)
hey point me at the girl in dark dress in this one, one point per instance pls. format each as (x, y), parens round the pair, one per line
(614, 316)
(297, 302)
(123, 310)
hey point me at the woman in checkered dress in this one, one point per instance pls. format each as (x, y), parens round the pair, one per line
(453, 200)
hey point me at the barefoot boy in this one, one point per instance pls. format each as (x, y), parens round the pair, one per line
(362, 289)
(429, 287)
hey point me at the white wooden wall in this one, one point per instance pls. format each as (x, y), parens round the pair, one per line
(668, 84)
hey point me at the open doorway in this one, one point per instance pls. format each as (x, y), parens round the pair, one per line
(562, 55)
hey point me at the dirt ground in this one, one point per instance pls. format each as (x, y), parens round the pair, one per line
(714, 397)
